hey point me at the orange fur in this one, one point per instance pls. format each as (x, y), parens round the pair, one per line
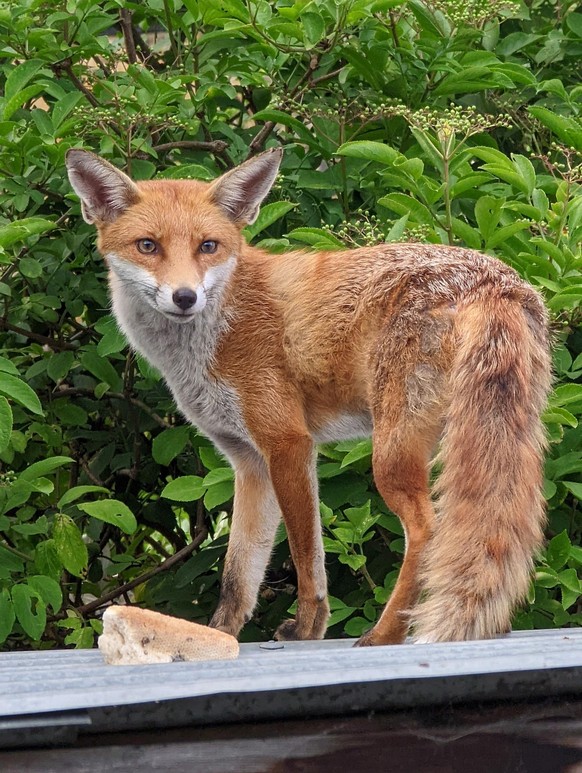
(403, 341)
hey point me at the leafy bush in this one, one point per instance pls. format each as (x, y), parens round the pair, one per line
(402, 120)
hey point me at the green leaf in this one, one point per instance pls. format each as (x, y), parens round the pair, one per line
(199, 564)
(82, 638)
(502, 234)
(268, 215)
(9, 562)
(20, 230)
(565, 394)
(218, 475)
(560, 416)
(21, 75)
(188, 488)
(30, 268)
(369, 151)
(357, 626)
(102, 369)
(468, 80)
(59, 365)
(39, 469)
(77, 492)
(49, 590)
(111, 511)
(558, 550)
(7, 616)
(316, 237)
(30, 610)
(355, 562)
(46, 559)
(20, 392)
(566, 129)
(6, 366)
(527, 171)
(362, 450)
(5, 423)
(575, 488)
(168, 444)
(218, 494)
(547, 578)
(69, 545)
(17, 100)
(397, 230)
(313, 27)
(487, 212)
(403, 204)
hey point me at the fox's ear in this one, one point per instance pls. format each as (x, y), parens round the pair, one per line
(240, 192)
(104, 190)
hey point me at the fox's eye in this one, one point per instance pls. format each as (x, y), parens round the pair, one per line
(147, 246)
(208, 246)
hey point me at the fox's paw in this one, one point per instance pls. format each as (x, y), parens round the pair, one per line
(290, 630)
(375, 637)
(366, 640)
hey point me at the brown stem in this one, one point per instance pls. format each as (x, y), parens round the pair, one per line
(328, 76)
(45, 340)
(67, 392)
(163, 567)
(127, 28)
(214, 146)
(67, 67)
(259, 140)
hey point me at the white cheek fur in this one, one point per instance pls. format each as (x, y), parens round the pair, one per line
(135, 279)
(140, 283)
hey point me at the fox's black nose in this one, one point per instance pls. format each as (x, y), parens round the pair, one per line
(184, 298)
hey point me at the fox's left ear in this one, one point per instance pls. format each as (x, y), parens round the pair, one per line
(240, 192)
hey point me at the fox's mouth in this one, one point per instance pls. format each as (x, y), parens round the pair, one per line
(179, 316)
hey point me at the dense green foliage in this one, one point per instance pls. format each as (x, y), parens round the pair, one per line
(454, 123)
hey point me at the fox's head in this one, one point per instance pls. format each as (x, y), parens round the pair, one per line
(171, 243)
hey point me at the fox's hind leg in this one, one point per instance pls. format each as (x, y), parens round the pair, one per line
(407, 423)
(400, 460)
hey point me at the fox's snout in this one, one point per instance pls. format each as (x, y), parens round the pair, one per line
(184, 298)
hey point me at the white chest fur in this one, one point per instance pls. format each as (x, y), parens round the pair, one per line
(184, 354)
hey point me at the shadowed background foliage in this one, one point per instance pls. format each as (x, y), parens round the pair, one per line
(443, 122)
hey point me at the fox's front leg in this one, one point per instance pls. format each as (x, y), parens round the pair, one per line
(294, 476)
(255, 518)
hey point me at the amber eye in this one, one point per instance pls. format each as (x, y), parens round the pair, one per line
(147, 246)
(208, 247)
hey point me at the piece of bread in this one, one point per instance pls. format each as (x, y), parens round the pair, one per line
(132, 635)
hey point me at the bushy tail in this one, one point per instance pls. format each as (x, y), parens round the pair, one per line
(490, 507)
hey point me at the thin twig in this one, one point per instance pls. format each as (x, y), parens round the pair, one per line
(328, 76)
(67, 392)
(67, 67)
(214, 146)
(163, 567)
(16, 552)
(45, 340)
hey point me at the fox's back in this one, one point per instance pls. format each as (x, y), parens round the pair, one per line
(336, 306)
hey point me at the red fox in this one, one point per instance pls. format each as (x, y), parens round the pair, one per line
(414, 345)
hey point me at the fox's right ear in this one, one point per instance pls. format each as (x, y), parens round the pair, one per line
(104, 190)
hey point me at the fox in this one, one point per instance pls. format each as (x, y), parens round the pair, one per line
(433, 351)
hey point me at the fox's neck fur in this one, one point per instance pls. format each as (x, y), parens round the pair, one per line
(185, 353)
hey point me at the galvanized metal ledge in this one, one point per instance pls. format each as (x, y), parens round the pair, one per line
(55, 694)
